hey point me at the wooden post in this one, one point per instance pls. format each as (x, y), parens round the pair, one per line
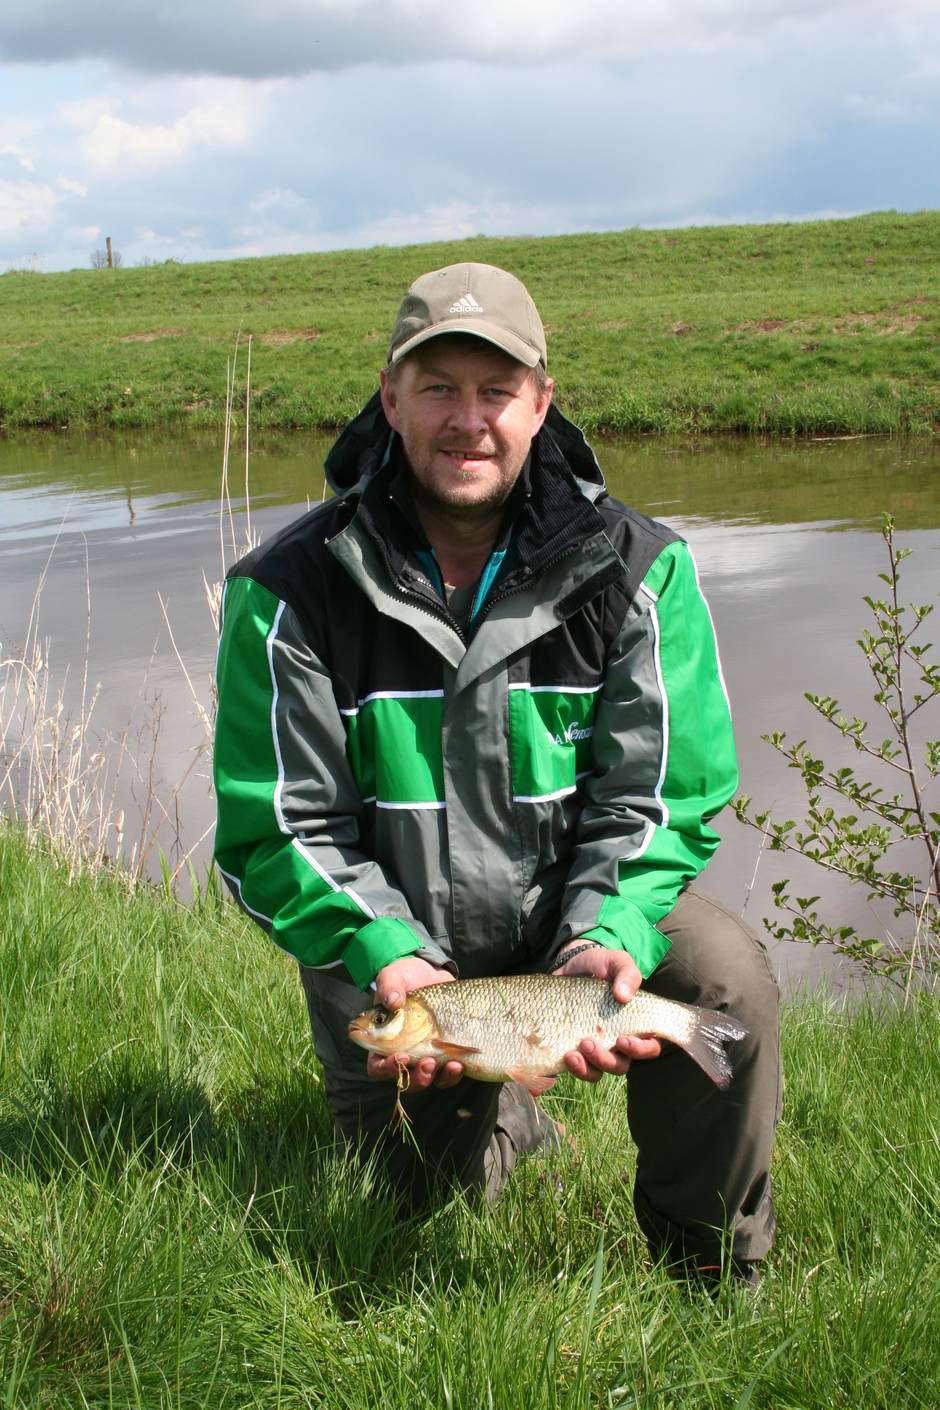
(110, 255)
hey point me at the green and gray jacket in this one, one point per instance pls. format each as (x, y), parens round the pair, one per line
(391, 781)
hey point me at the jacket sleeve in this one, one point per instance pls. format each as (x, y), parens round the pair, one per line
(663, 765)
(288, 834)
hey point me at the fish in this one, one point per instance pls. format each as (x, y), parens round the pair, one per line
(518, 1028)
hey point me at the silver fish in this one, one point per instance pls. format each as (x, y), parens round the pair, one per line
(519, 1027)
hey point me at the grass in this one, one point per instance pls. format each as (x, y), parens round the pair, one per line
(824, 328)
(177, 1230)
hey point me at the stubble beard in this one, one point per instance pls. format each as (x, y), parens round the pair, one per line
(454, 503)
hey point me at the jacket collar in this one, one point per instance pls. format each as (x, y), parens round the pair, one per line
(368, 441)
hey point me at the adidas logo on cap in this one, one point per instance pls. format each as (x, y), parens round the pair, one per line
(467, 304)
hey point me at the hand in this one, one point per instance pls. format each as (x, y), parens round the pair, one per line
(393, 984)
(589, 1060)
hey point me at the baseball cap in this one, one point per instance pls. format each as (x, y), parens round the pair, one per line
(479, 299)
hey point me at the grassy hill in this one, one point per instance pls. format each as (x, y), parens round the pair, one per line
(831, 327)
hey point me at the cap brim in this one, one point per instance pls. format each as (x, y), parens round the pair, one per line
(476, 328)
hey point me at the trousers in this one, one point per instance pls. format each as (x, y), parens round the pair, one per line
(703, 1184)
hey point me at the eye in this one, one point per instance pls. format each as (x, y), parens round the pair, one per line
(381, 1017)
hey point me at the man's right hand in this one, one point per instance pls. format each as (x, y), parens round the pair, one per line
(393, 984)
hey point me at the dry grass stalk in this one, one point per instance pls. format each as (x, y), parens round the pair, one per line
(59, 777)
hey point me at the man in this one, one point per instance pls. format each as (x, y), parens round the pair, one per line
(472, 720)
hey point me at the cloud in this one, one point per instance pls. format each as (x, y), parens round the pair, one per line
(26, 207)
(411, 121)
(22, 158)
(225, 118)
(83, 234)
(292, 37)
(70, 187)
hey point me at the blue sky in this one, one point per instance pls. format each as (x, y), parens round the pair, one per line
(221, 130)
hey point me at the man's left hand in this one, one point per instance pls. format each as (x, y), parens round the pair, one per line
(589, 1060)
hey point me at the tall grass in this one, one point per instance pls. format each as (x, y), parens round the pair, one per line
(61, 778)
(176, 1228)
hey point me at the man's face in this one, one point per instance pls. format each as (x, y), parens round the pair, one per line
(466, 413)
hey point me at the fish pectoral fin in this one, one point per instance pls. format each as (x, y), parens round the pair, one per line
(453, 1050)
(534, 1082)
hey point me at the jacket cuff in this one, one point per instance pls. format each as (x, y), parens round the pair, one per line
(387, 938)
(375, 945)
(625, 927)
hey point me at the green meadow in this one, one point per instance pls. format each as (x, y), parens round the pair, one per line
(177, 1230)
(825, 328)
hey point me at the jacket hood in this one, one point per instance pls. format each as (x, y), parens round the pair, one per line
(364, 446)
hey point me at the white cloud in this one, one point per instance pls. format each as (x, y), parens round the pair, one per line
(70, 187)
(752, 217)
(83, 113)
(19, 155)
(277, 198)
(114, 141)
(25, 207)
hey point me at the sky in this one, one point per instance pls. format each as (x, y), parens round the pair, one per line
(253, 127)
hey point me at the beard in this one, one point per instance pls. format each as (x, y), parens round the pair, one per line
(458, 492)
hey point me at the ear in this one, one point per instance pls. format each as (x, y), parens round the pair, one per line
(542, 405)
(389, 394)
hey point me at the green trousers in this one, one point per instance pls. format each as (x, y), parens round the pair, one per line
(703, 1155)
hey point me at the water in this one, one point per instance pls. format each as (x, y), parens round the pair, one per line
(785, 535)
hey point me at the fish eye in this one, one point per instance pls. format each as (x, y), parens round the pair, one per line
(381, 1017)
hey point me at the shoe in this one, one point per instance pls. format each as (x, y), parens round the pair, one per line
(712, 1276)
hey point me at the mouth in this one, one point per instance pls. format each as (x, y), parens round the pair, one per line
(466, 457)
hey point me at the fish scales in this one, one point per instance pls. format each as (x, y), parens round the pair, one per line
(519, 1027)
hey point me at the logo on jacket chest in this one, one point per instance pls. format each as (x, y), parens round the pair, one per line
(575, 731)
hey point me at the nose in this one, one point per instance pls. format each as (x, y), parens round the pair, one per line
(467, 414)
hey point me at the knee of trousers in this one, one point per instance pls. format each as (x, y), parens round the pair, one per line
(716, 960)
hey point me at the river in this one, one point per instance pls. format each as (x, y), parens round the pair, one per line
(785, 535)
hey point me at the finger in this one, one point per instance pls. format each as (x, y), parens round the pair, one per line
(422, 1075)
(607, 1060)
(624, 987)
(439, 976)
(382, 1069)
(626, 979)
(639, 1047)
(578, 1065)
(449, 1075)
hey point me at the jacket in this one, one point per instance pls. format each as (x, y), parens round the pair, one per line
(391, 781)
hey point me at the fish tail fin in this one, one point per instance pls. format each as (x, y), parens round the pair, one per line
(705, 1043)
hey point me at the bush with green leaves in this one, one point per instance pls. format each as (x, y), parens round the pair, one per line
(853, 826)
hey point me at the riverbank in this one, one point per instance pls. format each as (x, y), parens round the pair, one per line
(176, 1229)
(825, 328)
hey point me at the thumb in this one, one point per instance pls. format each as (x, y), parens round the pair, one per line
(625, 982)
(388, 994)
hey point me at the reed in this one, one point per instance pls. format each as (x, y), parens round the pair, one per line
(61, 779)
